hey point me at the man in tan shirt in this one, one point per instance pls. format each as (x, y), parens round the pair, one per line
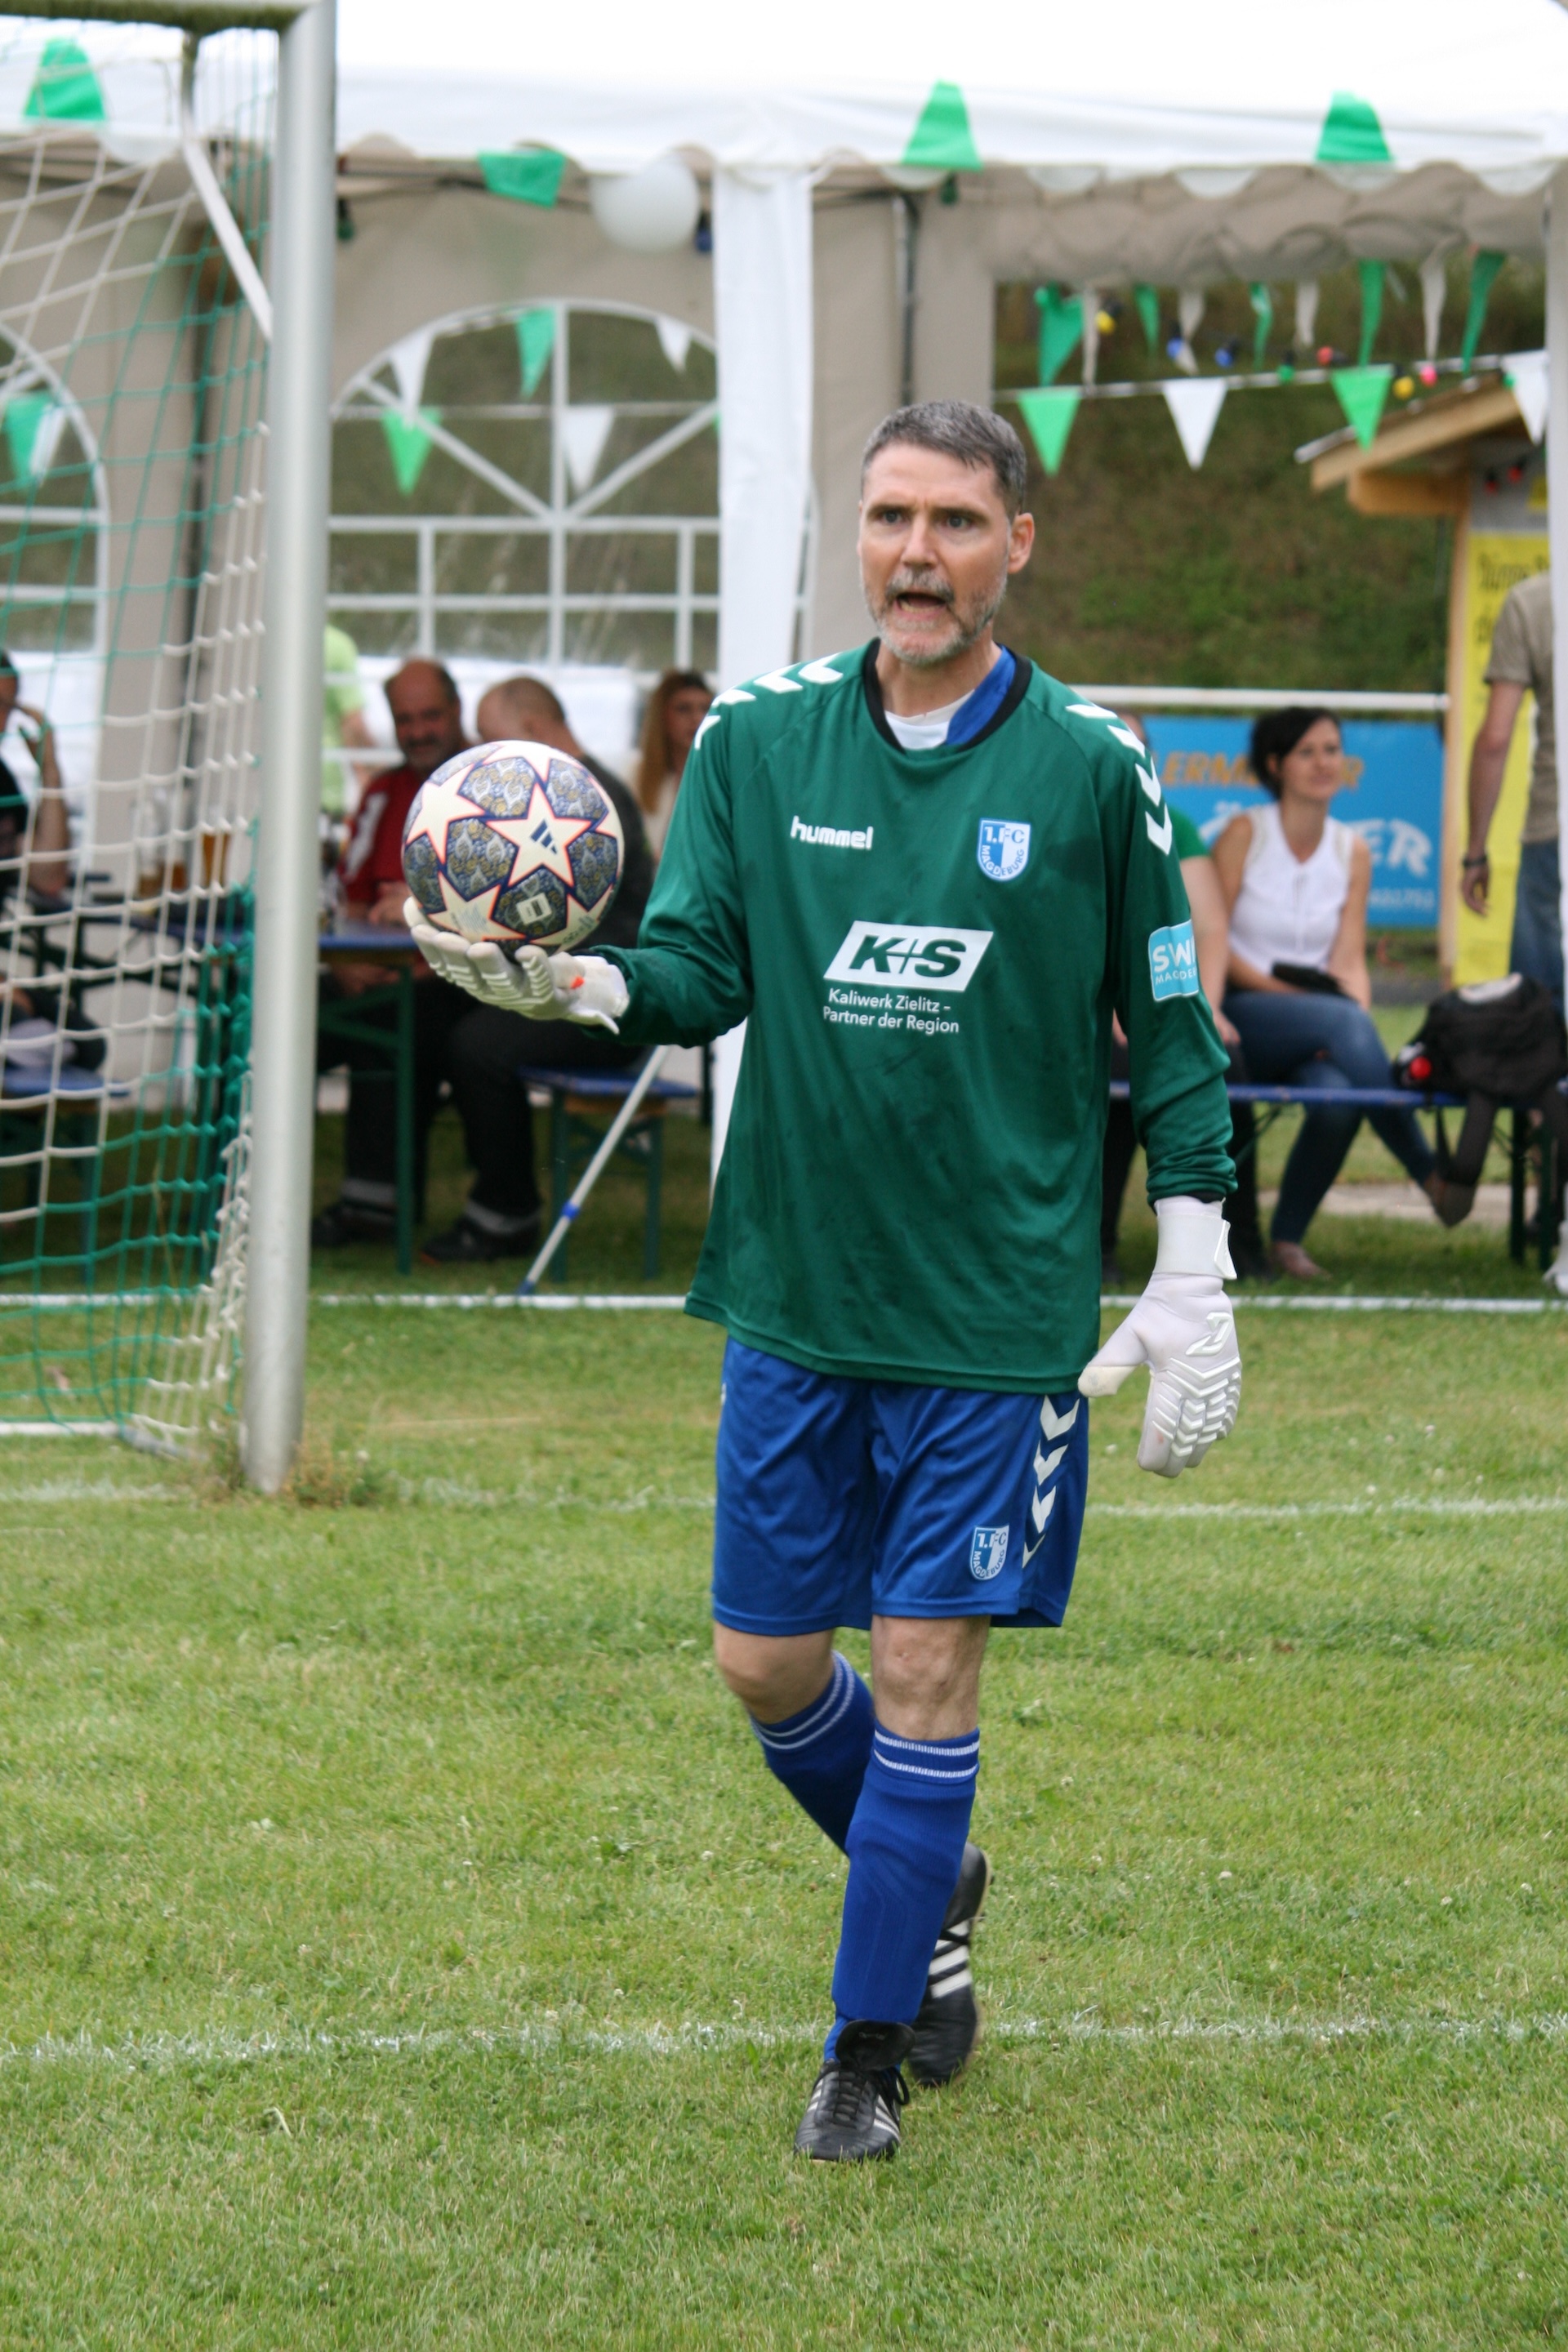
(1521, 661)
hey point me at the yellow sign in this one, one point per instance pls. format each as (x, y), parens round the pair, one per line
(1495, 562)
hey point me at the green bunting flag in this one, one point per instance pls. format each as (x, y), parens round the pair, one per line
(1061, 324)
(1372, 275)
(941, 140)
(1146, 300)
(1262, 303)
(1049, 415)
(1483, 278)
(409, 441)
(65, 87)
(1361, 394)
(535, 341)
(31, 435)
(529, 176)
(1351, 133)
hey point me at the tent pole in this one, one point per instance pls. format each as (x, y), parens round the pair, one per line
(908, 218)
(283, 1059)
(1557, 469)
(1557, 476)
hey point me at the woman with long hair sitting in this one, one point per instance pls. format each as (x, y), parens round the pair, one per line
(676, 710)
(1295, 882)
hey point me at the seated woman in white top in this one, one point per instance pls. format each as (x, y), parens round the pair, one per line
(1295, 881)
(676, 710)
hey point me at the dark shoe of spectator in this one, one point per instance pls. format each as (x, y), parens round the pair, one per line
(1111, 1275)
(1289, 1257)
(466, 1244)
(1453, 1203)
(341, 1222)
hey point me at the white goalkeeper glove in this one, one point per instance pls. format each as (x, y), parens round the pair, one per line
(1184, 1329)
(585, 989)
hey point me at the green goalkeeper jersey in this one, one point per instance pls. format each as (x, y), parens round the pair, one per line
(927, 947)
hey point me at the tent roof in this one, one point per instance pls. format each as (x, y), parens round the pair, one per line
(1129, 87)
(1133, 138)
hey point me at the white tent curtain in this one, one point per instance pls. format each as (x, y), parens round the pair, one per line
(761, 311)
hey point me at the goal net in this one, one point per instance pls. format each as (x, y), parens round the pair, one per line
(131, 539)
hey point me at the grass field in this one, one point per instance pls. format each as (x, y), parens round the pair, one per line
(403, 1946)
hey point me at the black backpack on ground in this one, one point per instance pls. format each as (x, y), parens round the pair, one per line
(1496, 1042)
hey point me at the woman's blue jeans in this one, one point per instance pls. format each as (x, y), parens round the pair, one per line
(1321, 1041)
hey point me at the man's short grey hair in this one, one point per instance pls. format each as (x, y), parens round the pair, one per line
(976, 437)
(524, 693)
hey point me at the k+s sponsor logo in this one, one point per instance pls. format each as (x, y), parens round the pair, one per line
(894, 955)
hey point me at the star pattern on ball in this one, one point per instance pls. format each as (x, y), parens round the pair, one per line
(474, 918)
(541, 838)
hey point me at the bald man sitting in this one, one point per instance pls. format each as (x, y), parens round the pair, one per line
(483, 1054)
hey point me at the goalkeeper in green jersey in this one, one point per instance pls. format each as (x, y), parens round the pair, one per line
(925, 876)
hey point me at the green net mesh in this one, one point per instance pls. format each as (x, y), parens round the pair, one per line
(131, 514)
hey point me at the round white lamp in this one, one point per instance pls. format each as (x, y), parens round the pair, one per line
(650, 211)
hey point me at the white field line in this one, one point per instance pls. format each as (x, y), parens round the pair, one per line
(452, 1495)
(1433, 1506)
(550, 2037)
(616, 1302)
(64, 1302)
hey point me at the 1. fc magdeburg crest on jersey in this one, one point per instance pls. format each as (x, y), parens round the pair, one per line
(1003, 849)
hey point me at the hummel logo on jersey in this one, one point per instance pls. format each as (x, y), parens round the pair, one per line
(890, 955)
(828, 836)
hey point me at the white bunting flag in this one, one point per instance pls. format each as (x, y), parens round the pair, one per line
(1526, 374)
(1195, 409)
(674, 340)
(584, 433)
(408, 361)
(51, 425)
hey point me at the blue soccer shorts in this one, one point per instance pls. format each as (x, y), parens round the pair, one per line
(841, 1499)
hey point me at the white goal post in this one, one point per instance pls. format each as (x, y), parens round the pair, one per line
(294, 311)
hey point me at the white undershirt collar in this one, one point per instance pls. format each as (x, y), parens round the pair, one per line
(928, 731)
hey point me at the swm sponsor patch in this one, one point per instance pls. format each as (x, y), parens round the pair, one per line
(893, 955)
(1174, 962)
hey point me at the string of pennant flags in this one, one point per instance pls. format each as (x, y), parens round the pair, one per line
(1194, 403)
(1362, 387)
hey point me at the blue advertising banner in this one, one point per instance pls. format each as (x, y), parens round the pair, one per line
(1393, 797)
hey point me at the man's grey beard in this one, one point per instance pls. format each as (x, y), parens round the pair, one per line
(968, 635)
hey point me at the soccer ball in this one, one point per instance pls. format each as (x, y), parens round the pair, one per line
(516, 843)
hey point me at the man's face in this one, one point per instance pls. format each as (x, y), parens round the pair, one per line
(10, 688)
(429, 728)
(937, 549)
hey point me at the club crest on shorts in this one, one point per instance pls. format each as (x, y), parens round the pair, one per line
(988, 1545)
(1003, 849)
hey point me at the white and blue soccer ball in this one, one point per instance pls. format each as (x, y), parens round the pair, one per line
(515, 843)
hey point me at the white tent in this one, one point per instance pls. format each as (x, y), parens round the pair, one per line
(875, 174)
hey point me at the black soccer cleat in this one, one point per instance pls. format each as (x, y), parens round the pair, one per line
(853, 2111)
(948, 2025)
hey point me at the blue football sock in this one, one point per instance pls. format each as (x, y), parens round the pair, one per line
(905, 1846)
(821, 1754)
